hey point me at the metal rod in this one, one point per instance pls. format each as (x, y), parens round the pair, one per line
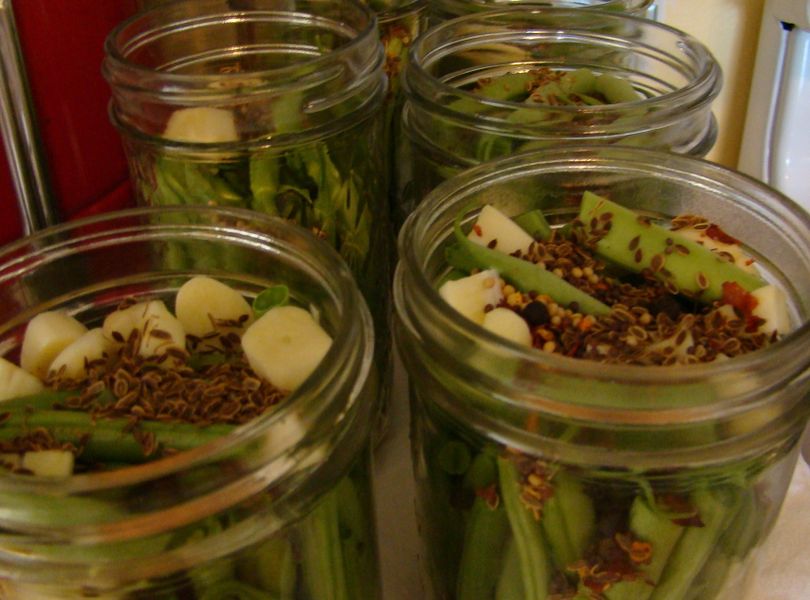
(19, 131)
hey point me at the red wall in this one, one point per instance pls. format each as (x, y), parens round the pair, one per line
(63, 46)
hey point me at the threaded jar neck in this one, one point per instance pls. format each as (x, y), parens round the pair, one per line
(267, 472)
(530, 398)
(283, 74)
(675, 77)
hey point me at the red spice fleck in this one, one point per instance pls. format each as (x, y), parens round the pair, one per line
(489, 495)
(477, 230)
(744, 301)
(717, 234)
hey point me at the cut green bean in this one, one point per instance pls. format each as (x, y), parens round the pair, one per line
(44, 400)
(636, 244)
(510, 585)
(512, 87)
(523, 274)
(109, 440)
(322, 553)
(485, 536)
(656, 528)
(270, 568)
(615, 89)
(715, 509)
(534, 223)
(535, 571)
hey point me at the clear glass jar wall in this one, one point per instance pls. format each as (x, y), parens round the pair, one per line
(534, 468)
(441, 10)
(279, 508)
(489, 85)
(278, 110)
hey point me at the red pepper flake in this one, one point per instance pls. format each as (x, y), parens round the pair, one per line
(743, 301)
(639, 552)
(714, 232)
(477, 229)
(489, 495)
(681, 506)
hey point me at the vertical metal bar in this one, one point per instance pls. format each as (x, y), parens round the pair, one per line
(18, 128)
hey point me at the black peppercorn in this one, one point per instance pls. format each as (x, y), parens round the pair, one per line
(535, 313)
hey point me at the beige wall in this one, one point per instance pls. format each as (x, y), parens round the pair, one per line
(730, 29)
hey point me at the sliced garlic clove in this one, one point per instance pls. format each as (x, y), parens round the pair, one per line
(71, 362)
(158, 328)
(493, 225)
(285, 345)
(202, 125)
(732, 252)
(508, 324)
(772, 307)
(49, 463)
(202, 302)
(46, 336)
(16, 382)
(471, 295)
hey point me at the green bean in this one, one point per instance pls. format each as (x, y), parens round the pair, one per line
(523, 274)
(270, 567)
(44, 400)
(715, 509)
(232, 588)
(637, 245)
(485, 535)
(109, 440)
(322, 553)
(656, 528)
(568, 520)
(535, 570)
(535, 224)
(615, 89)
(510, 585)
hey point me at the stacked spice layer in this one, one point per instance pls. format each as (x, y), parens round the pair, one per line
(606, 389)
(184, 433)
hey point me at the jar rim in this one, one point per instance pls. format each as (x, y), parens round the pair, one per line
(420, 86)
(354, 332)
(116, 58)
(634, 7)
(442, 204)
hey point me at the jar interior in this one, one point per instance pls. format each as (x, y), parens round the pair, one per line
(212, 38)
(655, 60)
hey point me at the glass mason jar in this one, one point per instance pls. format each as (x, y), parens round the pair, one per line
(279, 507)
(441, 10)
(527, 462)
(447, 127)
(400, 22)
(263, 106)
